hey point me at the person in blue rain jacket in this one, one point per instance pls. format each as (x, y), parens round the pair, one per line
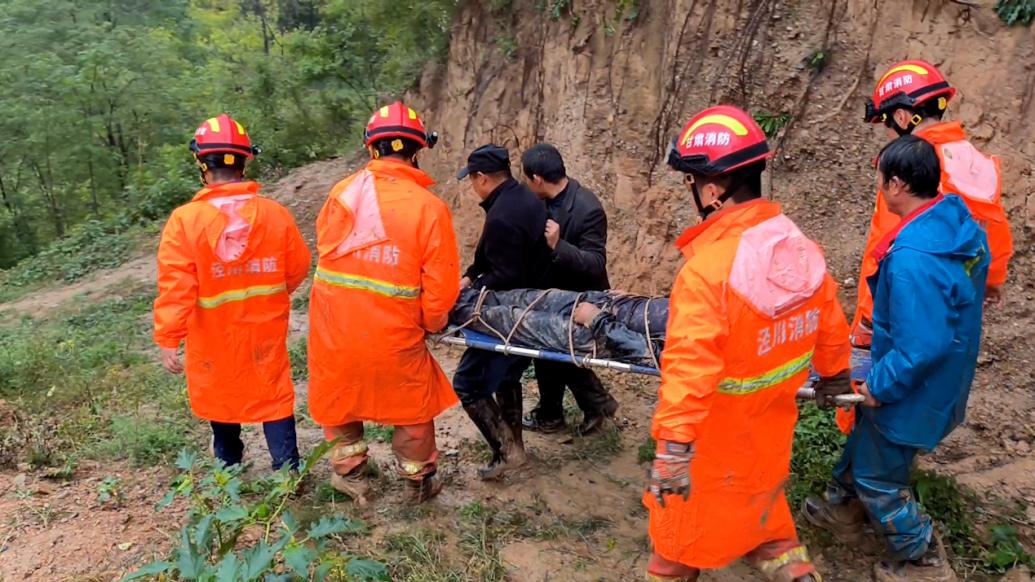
(928, 295)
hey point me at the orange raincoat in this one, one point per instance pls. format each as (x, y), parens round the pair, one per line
(977, 178)
(751, 309)
(227, 264)
(388, 275)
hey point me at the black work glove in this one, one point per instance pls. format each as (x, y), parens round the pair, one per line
(828, 388)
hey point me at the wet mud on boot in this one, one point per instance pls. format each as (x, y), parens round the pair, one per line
(424, 489)
(848, 522)
(595, 422)
(355, 485)
(933, 566)
(511, 457)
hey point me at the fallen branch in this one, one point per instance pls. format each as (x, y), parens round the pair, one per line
(840, 106)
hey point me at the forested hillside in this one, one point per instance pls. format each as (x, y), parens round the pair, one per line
(100, 97)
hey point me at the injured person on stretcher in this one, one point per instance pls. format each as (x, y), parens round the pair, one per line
(604, 324)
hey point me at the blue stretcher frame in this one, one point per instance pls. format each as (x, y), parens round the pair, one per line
(471, 339)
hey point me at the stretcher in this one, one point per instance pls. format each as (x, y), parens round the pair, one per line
(466, 338)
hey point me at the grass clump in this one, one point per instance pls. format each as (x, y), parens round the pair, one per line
(84, 382)
(1016, 11)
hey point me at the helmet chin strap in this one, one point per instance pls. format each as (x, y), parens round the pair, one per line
(706, 211)
(910, 125)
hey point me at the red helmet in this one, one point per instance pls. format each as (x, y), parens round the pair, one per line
(222, 135)
(907, 85)
(398, 120)
(718, 140)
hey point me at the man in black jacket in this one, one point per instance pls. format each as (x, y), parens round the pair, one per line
(511, 253)
(576, 233)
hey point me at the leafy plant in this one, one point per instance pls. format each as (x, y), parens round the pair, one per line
(1016, 11)
(818, 60)
(817, 447)
(507, 45)
(225, 511)
(646, 451)
(772, 123)
(109, 492)
(554, 8)
(298, 356)
(629, 9)
(1005, 550)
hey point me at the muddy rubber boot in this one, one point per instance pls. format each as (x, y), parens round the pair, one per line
(933, 566)
(592, 423)
(355, 485)
(513, 443)
(425, 488)
(487, 417)
(597, 405)
(847, 521)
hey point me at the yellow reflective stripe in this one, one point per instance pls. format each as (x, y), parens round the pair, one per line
(213, 124)
(741, 386)
(240, 295)
(240, 129)
(911, 68)
(378, 286)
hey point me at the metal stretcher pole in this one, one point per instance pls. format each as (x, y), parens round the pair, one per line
(806, 393)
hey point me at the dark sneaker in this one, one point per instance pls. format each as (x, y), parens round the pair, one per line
(534, 423)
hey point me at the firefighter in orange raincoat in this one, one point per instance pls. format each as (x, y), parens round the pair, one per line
(751, 309)
(911, 97)
(227, 264)
(388, 274)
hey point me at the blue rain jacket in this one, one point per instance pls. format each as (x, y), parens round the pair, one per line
(928, 291)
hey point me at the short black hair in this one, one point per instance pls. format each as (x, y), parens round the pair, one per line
(384, 148)
(545, 161)
(913, 161)
(744, 184)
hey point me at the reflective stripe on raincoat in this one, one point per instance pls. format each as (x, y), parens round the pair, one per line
(388, 274)
(227, 263)
(976, 178)
(751, 310)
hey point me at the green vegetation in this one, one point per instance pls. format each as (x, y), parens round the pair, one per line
(101, 97)
(991, 546)
(771, 123)
(555, 9)
(1016, 11)
(817, 447)
(225, 511)
(818, 60)
(83, 383)
(988, 544)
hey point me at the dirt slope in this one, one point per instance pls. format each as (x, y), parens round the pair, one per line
(610, 88)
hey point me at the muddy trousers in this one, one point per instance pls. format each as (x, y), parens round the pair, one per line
(280, 438)
(414, 446)
(589, 393)
(782, 560)
(877, 472)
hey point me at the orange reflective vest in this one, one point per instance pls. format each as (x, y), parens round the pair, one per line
(388, 274)
(977, 178)
(752, 308)
(227, 264)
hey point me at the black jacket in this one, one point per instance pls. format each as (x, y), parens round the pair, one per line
(512, 252)
(579, 263)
